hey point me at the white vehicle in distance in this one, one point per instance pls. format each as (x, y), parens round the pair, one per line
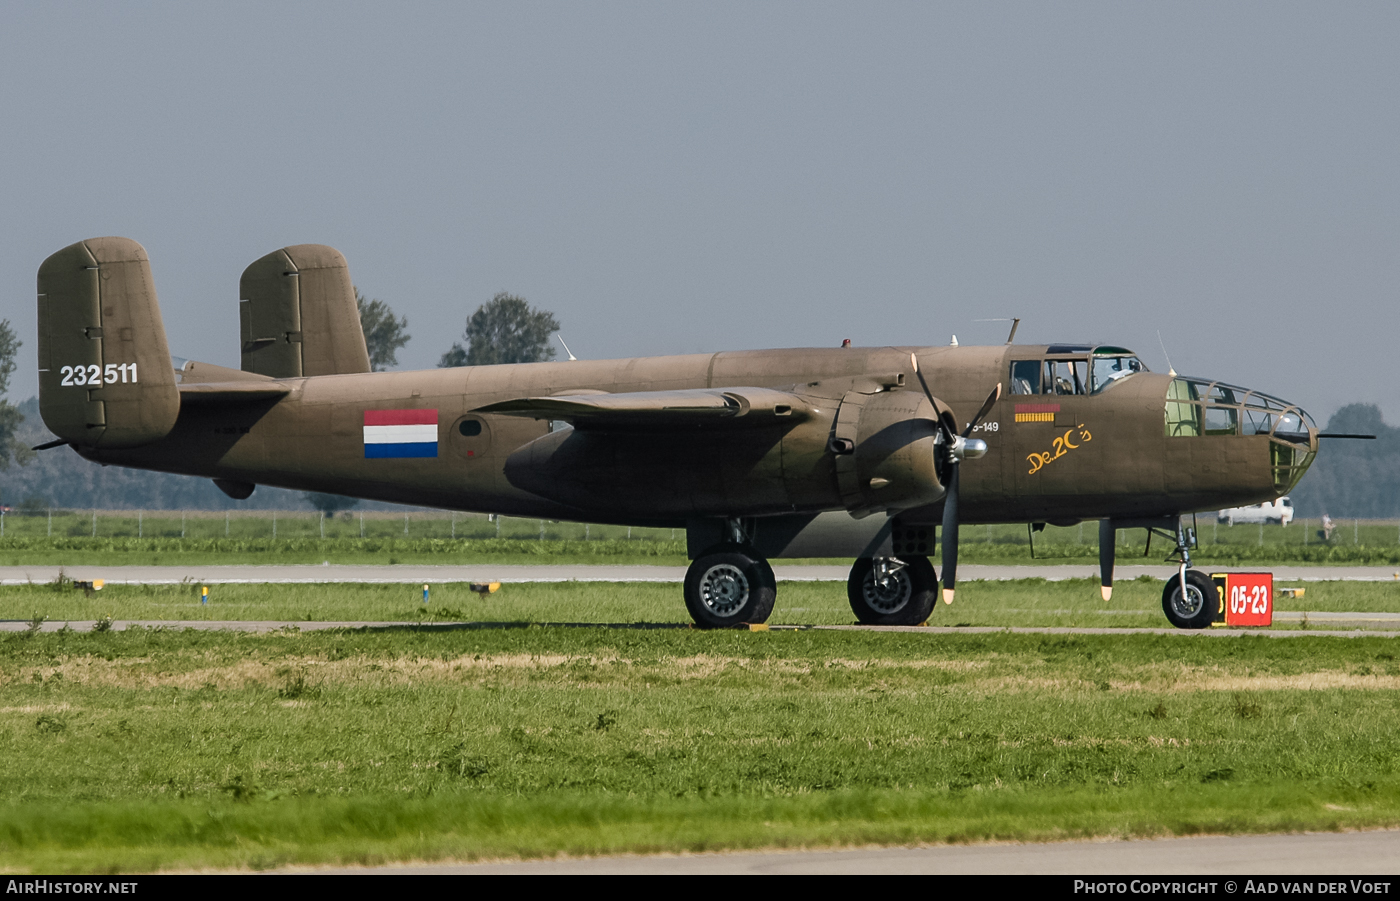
(1280, 511)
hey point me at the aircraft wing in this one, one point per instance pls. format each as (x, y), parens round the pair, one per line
(712, 407)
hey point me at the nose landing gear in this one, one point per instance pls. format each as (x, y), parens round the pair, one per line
(1196, 607)
(1190, 599)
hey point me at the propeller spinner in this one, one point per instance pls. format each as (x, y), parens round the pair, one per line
(958, 448)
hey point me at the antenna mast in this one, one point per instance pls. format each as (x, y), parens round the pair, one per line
(1170, 371)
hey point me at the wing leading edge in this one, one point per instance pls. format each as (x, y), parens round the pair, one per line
(728, 408)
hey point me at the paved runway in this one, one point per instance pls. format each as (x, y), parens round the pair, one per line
(1326, 853)
(408, 573)
(214, 625)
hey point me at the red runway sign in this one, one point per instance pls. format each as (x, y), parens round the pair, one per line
(1246, 599)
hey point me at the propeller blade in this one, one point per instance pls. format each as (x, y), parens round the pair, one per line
(986, 408)
(950, 534)
(1108, 538)
(948, 435)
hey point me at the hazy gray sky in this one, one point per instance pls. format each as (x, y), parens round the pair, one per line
(671, 178)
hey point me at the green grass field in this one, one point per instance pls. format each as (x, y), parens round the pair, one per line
(151, 749)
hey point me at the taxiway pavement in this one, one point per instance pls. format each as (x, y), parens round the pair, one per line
(1319, 854)
(409, 573)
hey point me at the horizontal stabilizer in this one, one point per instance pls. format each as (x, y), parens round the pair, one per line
(240, 392)
(732, 407)
(192, 372)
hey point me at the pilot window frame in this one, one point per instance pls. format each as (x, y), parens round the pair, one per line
(1068, 376)
(1026, 373)
(1051, 376)
(1183, 414)
(1128, 365)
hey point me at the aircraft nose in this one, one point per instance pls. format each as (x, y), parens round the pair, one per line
(1211, 408)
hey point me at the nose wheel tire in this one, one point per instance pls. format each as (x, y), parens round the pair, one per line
(1197, 607)
(905, 597)
(729, 586)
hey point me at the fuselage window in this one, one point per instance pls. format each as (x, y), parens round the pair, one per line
(1226, 394)
(1183, 415)
(1025, 376)
(469, 428)
(1291, 428)
(1222, 421)
(1258, 422)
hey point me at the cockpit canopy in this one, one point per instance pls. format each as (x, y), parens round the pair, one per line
(1197, 408)
(1074, 369)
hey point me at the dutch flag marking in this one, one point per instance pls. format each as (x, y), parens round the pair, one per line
(401, 433)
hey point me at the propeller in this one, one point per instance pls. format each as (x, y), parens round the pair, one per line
(959, 447)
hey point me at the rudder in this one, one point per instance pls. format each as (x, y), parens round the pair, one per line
(105, 376)
(297, 315)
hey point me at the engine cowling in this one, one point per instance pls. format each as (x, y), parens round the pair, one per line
(893, 461)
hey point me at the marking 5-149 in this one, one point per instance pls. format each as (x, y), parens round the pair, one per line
(96, 375)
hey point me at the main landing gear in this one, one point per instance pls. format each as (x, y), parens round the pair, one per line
(732, 585)
(892, 591)
(1190, 599)
(729, 585)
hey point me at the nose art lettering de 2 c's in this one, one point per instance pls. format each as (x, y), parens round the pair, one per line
(401, 433)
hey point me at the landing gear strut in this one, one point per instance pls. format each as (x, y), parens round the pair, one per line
(1193, 606)
(1190, 599)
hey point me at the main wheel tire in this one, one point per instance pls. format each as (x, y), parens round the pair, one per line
(906, 599)
(1197, 609)
(729, 586)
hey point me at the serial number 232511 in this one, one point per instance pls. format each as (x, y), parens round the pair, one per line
(96, 375)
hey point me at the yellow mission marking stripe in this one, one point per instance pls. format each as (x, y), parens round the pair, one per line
(1035, 417)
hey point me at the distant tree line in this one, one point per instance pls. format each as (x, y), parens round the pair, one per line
(1353, 478)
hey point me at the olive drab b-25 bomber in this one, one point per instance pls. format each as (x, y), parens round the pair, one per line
(866, 453)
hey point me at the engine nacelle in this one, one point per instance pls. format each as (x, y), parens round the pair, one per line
(861, 452)
(893, 461)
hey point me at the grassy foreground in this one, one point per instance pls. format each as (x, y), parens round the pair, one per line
(140, 750)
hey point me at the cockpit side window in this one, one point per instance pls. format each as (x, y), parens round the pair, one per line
(1025, 376)
(1066, 376)
(1108, 370)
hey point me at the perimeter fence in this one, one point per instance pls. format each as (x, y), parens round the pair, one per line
(1304, 537)
(302, 524)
